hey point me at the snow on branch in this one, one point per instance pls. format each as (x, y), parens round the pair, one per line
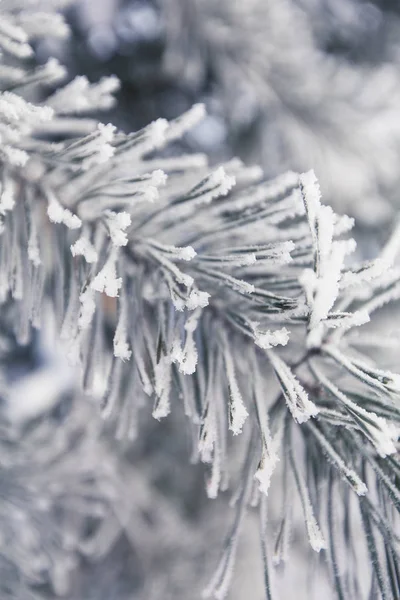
(210, 280)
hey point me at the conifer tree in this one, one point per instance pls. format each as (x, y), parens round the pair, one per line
(173, 285)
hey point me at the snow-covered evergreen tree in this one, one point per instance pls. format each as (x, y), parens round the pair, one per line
(168, 283)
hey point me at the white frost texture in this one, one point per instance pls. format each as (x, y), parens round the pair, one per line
(197, 314)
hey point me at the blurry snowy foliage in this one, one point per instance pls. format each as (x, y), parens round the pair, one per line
(316, 83)
(173, 284)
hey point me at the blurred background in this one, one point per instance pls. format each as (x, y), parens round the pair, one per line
(288, 84)
(291, 84)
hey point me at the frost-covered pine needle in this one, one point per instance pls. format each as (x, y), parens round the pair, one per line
(174, 283)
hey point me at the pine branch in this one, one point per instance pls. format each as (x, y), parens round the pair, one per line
(214, 283)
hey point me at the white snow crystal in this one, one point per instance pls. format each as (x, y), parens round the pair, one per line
(157, 131)
(83, 247)
(117, 224)
(106, 280)
(158, 178)
(269, 460)
(268, 339)
(197, 299)
(224, 181)
(58, 214)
